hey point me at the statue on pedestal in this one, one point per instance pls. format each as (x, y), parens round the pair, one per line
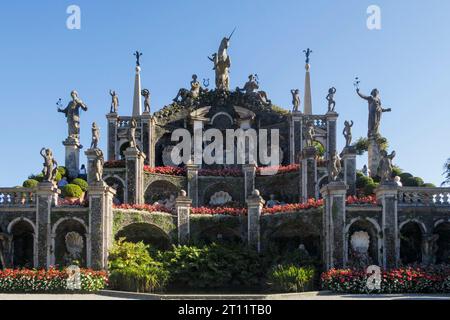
(72, 113)
(189, 96)
(385, 167)
(97, 165)
(95, 136)
(375, 111)
(251, 87)
(330, 99)
(348, 133)
(309, 134)
(429, 249)
(50, 165)
(295, 100)
(114, 101)
(132, 133)
(222, 64)
(335, 166)
(146, 94)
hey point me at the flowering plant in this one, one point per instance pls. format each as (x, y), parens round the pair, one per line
(114, 164)
(172, 171)
(72, 203)
(291, 207)
(278, 169)
(143, 207)
(362, 200)
(219, 211)
(227, 172)
(51, 280)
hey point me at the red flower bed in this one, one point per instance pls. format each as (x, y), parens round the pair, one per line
(220, 172)
(172, 171)
(219, 211)
(311, 203)
(114, 164)
(72, 203)
(362, 200)
(278, 169)
(435, 279)
(143, 207)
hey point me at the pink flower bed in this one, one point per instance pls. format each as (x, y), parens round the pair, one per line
(369, 200)
(172, 171)
(143, 207)
(278, 169)
(311, 203)
(114, 164)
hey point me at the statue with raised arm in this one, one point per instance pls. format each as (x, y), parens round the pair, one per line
(146, 94)
(348, 133)
(222, 64)
(330, 99)
(95, 136)
(309, 135)
(188, 96)
(132, 133)
(336, 166)
(114, 101)
(50, 165)
(385, 167)
(72, 113)
(295, 100)
(375, 111)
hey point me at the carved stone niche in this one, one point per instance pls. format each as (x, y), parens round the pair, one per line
(74, 245)
(360, 242)
(220, 198)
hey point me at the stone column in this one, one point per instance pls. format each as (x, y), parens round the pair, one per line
(112, 119)
(46, 194)
(192, 179)
(148, 138)
(308, 174)
(295, 136)
(333, 221)
(100, 224)
(91, 156)
(387, 196)
(331, 133)
(249, 171)
(349, 159)
(373, 156)
(183, 208)
(134, 175)
(72, 160)
(255, 204)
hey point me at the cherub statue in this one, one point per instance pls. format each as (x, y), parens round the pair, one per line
(97, 165)
(95, 136)
(295, 100)
(330, 99)
(348, 133)
(309, 134)
(50, 165)
(132, 133)
(385, 167)
(114, 101)
(146, 94)
(336, 166)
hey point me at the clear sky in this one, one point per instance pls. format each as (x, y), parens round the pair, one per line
(41, 60)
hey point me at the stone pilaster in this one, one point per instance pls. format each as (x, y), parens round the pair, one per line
(333, 221)
(46, 194)
(134, 175)
(349, 158)
(308, 174)
(331, 133)
(183, 208)
(255, 204)
(91, 156)
(72, 160)
(387, 195)
(249, 171)
(295, 136)
(373, 156)
(192, 179)
(112, 119)
(100, 224)
(148, 143)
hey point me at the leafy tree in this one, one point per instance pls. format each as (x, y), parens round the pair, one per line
(446, 172)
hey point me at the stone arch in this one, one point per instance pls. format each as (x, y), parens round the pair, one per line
(443, 243)
(112, 180)
(213, 188)
(60, 229)
(159, 190)
(24, 243)
(219, 234)
(373, 229)
(321, 183)
(220, 119)
(411, 236)
(148, 233)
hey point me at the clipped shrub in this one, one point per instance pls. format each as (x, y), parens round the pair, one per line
(291, 278)
(63, 171)
(413, 182)
(72, 191)
(369, 189)
(30, 183)
(81, 183)
(38, 177)
(396, 171)
(405, 175)
(362, 181)
(58, 176)
(428, 185)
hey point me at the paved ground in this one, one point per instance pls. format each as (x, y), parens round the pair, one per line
(111, 295)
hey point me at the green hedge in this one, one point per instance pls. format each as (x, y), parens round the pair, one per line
(30, 183)
(81, 183)
(72, 191)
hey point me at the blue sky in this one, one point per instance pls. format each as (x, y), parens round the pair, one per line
(407, 60)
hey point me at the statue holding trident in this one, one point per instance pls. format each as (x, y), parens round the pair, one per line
(222, 64)
(375, 111)
(72, 113)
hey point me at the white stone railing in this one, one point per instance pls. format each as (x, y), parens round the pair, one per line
(17, 197)
(319, 121)
(417, 196)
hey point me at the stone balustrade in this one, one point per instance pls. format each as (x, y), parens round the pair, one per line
(417, 196)
(17, 197)
(319, 121)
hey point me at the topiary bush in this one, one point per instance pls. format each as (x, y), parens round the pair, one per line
(369, 189)
(404, 176)
(81, 183)
(30, 183)
(428, 185)
(72, 191)
(413, 182)
(362, 181)
(291, 278)
(63, 171)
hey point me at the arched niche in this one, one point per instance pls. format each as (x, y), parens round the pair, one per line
(23, 243)
(160, 190)
(62, 255)
(411, 236)
(118, 184)
(147, 233)
(356, 229)
(443, 242)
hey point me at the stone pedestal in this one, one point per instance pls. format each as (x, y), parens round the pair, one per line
(148, 143)
(72, 160)
(46, 194)
(331, 133)
(192, 179)
(333, 221)
(91, 156)
(308, 174)
(349, 159)
(255, 204)
(295, 136)
(373, 156)
(101, 224)
(134, 160)
(249, 171)
(387, 196)
(183, 208)
(112, 119)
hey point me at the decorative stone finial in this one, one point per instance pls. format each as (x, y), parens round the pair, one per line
(256, 193)
(183, 193)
